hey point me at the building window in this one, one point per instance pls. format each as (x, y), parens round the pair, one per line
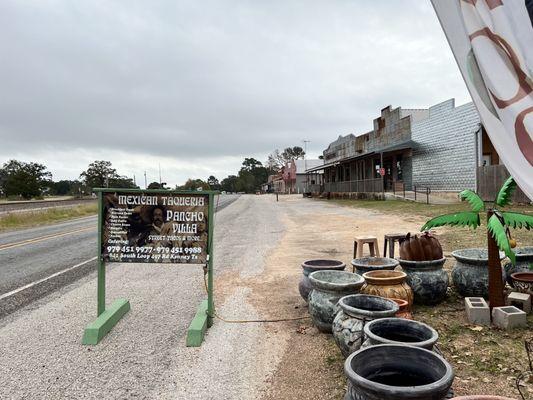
(399, 175)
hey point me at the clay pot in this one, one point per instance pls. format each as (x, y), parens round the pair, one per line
(470, 274)
(404, 311)
(524, 257)
(389, 284)
(399, 331)
(428, 280)
(394, 372)
(481, 397)
(328, 288)
(366, 264)
(355, 311)
(310, 266)
(523, 282)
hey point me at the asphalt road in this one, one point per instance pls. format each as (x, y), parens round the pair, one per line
(36, 261)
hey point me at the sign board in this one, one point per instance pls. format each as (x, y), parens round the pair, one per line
(156, 227)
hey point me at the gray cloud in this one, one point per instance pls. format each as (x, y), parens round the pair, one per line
(217, 80)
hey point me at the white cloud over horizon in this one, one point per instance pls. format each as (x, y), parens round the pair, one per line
(198, 86)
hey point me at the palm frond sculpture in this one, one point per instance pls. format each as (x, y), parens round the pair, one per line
(498, 233)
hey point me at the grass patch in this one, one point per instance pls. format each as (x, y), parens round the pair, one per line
(19, 220)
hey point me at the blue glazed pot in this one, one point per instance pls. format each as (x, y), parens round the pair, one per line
(470, 275)
(428, 280)
(311, 266)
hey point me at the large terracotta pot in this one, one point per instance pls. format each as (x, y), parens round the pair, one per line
(355, 311)
(366, 264)
(397, 372)
(470, 274)
(328, 288)
(389, 284)
(400, 331)
(523, 282)
(311, 266)
(524, 257)
(428, 280)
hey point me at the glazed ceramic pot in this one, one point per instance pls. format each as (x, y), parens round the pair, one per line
(397, 372)
(328, 288)
(399, 331)
(355, 311)
(310, 266)
(470, 274)
(523, 282)
(524, 258)
(428, 280)
(366, 264)
(404, 311)
(389, 284)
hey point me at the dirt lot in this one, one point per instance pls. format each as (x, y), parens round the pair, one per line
(485, 361)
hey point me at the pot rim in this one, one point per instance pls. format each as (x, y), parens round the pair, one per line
(516, 276)
(380, 277)
(356, 312)
(317, 283)
(386, 262)
(427, 344)
(443, 383)
(457, 254)
(429, 264)
(335, 265)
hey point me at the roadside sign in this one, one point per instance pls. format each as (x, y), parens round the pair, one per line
(157, 228)
(153, 226)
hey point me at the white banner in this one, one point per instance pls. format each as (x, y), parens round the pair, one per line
(492, 41)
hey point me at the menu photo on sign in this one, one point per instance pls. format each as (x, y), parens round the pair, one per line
(155, 227)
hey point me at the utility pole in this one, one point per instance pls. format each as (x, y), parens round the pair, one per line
(145, 184)
(305, 165)
(160, 176)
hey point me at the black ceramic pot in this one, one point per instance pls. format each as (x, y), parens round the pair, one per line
(366, 264)
(397, 372)
(310, 266)
(400, 331)
(428, 280)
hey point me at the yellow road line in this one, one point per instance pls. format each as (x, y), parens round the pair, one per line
(42, 238)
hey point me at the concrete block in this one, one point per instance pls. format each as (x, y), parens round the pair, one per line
(520, 300)
(508, 317)
(477, 311)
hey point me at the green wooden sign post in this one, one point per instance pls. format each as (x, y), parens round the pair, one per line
(108, 317)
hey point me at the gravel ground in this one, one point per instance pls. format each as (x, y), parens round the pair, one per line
(145, 356)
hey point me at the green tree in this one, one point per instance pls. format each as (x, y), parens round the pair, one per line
(229, 184)
(194, 184)
(213, 182)
(99, 174)
(157, 185)
(24, 179)
(251, 176)
(498, 232)
(277, 160)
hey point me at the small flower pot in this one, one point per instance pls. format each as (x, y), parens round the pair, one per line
(523, 282)
(389, 284)
(366, 264)
(355, 311)
(397, 372)
(428, 280)
(310, 266)
(470, 274)
(404, 311)
(328, 288)
(524, 257)
(399, 331)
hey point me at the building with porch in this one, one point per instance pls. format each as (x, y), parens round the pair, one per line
(440, 148)
(297, 180)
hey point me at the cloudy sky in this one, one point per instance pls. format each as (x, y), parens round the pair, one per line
(198, 85)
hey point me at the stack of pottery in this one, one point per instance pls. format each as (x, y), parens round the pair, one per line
(524, 258)
(389, 284)
(366, 264)
(310, 266)
(470, 274)
(355, 311)
(400, 331)
(394, 372)
(328, 288)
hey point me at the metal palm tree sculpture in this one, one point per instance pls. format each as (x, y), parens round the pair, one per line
(498, 234)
